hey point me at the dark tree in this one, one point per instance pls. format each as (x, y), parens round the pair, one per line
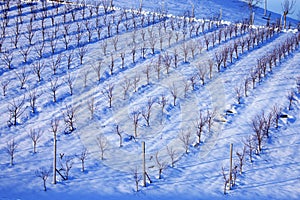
(119, 134)
(82, 51)
(200, 123)
(4, 85)
(54, 87)
(172, 154)
(55, 63)
(33, 96)
(249, 143)
(70, 82)
(22, 77)
(287, 8)
(174, 93)
(7, 58)
(126, 85)
(103, 144)
(161, 165)
(43, 173)
(137, 179)
(238, 91)
(92, 106)
(185, 138)
(136, 80)
(37, 68)
(135, 116)
(82, 158)
(66, 163)
(146, 112)
(218, 59)
(226, 180)
(97, 68)
(167, 61)
(11, 148)
(108, 92)
(147, 72)
(258, 127)
(163, 102)
(276, 113)
(15, 110)
(69, 117)
(241, 158)
(210, 119)
(202, 71)
(111, 66)
(35, 135)
(291, 97)
(25, 51)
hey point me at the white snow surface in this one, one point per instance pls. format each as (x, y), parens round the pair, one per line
(273, 174)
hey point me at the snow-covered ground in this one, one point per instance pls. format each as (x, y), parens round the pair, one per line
(148, 45)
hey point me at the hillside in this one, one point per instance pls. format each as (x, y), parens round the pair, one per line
(104, 80)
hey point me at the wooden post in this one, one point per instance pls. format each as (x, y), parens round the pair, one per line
(141, 6)
(193, 11)
(54, 158)
(265, 13)
(230, 169)
(144, 164)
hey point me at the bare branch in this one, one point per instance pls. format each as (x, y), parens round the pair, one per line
(43, 173)
(287, 8)
(38, 67)
(4, 85)
(35, 135)
(103, 144)
(11, 148)
(174, 93)
(97, 69)
(137, 179)
(82, 51)
(185, 138)
(238, 91)
(200, 123)
(55, 63)
(160, 165)
(22, 76)
(69, 118)
(147, 71)
(241, 158)
(257, 126)
(54, 87)
(146, 112)
(210, 118)
(136, 80)
(70, 82)
(82, 157)
(66, 163)
(91, 106)
(33, 95)
(108, 93)
(226, 179)
(135, 116)
(15, 110)
(163, 102)
(172, 154)
(276, 113)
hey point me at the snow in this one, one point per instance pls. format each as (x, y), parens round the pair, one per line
(273, 174)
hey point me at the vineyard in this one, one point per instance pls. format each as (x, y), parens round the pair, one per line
(97, 82)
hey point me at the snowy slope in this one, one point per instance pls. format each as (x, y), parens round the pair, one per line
(274, 173)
